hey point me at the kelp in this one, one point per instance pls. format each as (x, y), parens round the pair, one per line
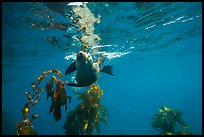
(58, 96)
(85, 118)
(167, 120)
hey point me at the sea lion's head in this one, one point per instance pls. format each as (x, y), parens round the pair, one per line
(84, 58)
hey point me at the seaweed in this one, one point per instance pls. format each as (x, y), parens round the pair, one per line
(167, 120)
(58, 96)
(85, 118)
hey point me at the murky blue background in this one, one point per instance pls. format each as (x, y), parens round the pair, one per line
(156, 52)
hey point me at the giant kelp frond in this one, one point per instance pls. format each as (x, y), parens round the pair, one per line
(167, 120)
(85, 118)
(58, 96)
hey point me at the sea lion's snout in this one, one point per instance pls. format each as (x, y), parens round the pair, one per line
(79, 55)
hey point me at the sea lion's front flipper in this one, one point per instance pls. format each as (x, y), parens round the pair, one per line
(72, 84)
(101, 59)
(107, 69)
(71, 68)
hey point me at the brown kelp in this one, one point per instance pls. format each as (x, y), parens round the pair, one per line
(85, 118)
(167, 120)
(58, 96)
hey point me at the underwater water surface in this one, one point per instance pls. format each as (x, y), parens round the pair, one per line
(155, 50)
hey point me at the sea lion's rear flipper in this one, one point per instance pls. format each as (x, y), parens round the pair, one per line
(73, 84)
(107, 69)
(71, 68)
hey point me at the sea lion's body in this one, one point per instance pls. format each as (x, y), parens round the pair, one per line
(87, 74)
(86, 70)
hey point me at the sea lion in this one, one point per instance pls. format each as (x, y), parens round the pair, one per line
(86, 70)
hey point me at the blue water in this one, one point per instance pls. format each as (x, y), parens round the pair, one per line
(155, 50)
